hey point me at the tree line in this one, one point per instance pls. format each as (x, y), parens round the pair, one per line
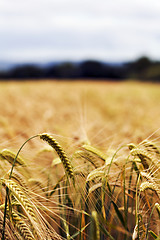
(142, 69)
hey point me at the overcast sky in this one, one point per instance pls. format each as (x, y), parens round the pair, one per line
(108, 30)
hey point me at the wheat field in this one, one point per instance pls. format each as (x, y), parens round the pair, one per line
(79, 160)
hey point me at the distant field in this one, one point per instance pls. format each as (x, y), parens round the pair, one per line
(105, 112)
(92, 177)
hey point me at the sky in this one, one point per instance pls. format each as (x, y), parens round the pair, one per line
(74, 30)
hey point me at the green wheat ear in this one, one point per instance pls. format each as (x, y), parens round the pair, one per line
(61, 153)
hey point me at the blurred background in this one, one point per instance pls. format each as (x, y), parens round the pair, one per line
(76, 45)
(75, 39)
(87, 72)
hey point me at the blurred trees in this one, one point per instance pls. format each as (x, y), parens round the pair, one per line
(63, 70)
(25, 72)
(92, 69)
(141, 69)
(144, 69)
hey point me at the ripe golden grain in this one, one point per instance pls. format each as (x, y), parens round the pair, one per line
(21, 197)
(22, 227)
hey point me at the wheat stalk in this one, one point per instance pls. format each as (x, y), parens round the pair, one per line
(96, 230)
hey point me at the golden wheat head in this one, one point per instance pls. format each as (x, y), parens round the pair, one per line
(9, 156)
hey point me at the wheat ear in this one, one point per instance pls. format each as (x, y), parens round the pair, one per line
(88, 157)
(9, 156)
(9, 233)
(21, 226)
(98, 172)
(61, 153)
(20, 179)
(149, 185)
(95, 151)
(7, 189)
(21, 197)
(150, 146)
(27, 206)
(146, 158)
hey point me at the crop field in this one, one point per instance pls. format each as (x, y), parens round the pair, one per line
(79, 160)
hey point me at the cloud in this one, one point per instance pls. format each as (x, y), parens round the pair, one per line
(110, 30)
